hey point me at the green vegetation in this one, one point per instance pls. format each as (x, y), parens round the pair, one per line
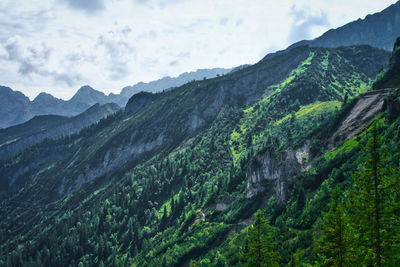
(365, 231)
(260, 245)
(333, 245)
(186, 202)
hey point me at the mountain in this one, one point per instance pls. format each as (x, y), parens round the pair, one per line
(47, 104)
(16, 108)
(16, 138)
(178, 175)
(87, 95)
(378, 30)
(390, 78)
(168, 82)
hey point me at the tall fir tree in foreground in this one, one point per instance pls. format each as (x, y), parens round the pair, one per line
(366, 231)
(260, 250)
(333, 245)
(374, 204)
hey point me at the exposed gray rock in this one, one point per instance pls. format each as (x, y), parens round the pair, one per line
(303, 154)
(224, 203)
(366, 108)
(114, 158)
(270, 172)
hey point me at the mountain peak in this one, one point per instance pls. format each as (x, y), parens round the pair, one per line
(86, 88)
(378, 30)
(43, 96)
(88, 91)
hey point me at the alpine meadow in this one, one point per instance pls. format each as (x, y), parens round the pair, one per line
(291, 161)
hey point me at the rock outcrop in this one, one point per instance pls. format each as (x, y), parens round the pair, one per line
(269, 173)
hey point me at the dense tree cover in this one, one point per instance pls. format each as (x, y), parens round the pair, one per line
(260, 247)
(374, 206)
(367, 231)
(166, 209)
(333, 245)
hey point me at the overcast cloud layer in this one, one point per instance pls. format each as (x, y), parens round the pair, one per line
(58, 45)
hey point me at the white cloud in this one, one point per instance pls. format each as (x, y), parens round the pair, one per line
(58, 45)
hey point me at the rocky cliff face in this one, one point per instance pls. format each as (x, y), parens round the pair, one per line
(269, 172)
(366, 108)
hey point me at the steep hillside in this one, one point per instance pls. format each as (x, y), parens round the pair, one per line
(390, 78)
(16, 108)
(15, 139)
(378, 30)
(180, 177)
(167, 83)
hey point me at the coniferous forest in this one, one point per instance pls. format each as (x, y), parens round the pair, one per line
(292, 161)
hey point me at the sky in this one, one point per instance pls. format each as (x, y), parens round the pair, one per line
(56, 46)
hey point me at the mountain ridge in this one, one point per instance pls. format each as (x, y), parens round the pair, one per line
(16, 138)
(86, 96)
(198, 156)
(379, 30)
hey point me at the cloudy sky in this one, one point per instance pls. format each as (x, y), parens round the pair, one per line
(58, 45)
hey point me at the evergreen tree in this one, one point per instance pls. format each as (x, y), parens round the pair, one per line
(374, 207)
(164, 219)
(332, 247)
(193, 263)
(260, 250)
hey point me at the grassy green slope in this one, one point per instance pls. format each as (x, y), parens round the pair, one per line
(162, 209)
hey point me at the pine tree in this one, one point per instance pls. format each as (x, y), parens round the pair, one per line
(374, 207)
(164, 219)
(260, 250)
(333, 244)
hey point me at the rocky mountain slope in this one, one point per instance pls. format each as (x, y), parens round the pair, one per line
(171, 82)
(16, 108)
(378, 30)
(178, 175)
(16, 138)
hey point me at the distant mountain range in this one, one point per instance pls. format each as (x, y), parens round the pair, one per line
(16, 108)
(379, 30)
(16, 138)
(168, 82)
